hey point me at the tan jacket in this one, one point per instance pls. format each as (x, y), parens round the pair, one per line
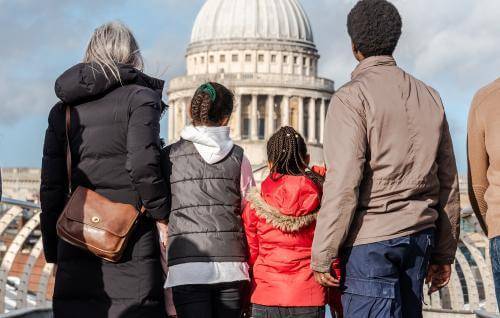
(391, 167)
(484, 158)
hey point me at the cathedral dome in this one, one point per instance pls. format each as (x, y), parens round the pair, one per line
(247, 20)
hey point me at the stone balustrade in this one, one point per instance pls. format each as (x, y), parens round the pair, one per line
(253, 79)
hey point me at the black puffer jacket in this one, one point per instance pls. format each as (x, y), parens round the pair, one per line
(114, 138)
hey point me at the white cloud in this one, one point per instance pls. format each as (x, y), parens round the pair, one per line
(448, 40)
(40, 38)
(458, 40)
(450, 44)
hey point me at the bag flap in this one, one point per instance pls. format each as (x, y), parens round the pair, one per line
(90, 208)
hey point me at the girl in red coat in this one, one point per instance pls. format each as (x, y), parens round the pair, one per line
(279, 225)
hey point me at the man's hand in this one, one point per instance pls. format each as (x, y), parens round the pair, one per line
(326, 279)
(438, 276)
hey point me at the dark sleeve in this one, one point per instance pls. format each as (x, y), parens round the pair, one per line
(143, 147)
(54, 184)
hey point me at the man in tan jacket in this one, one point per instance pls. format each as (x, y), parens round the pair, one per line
(391, 201)
(484, 168)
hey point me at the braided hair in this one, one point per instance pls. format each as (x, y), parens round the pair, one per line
(287, 153)
(211, 104)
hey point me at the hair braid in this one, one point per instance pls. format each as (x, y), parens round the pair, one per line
(211, 111)
(205, 108)
(287, 152)
(195, 108)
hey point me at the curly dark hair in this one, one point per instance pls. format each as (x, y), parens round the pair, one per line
(374, 27)
(209, 111)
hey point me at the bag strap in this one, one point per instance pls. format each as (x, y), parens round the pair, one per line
(68, 148)
(68, 154)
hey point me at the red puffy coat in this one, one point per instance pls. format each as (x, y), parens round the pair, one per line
(279, 225)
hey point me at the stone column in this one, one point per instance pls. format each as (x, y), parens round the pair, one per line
(171, 121)
(312, 121)
(255, 62)
(185, 110)
(254, 133)
(237, 119)
(179, 123)
(270, 116)
(301, 115)
(207, 63)
(322, 120)
(241, 59)
(285, 111)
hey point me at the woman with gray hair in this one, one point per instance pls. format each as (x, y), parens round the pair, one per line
(114, 140)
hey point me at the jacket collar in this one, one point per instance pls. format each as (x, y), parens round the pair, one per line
(373, 61)
(273, 216)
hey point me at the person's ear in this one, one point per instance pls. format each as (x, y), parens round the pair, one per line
(307, 159)
(357, 54)
(270, 165)
(225, 121)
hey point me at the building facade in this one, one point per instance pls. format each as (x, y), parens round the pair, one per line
(264, 51)
(21, 184)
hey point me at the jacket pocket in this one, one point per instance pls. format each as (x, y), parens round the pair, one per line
(370, 288)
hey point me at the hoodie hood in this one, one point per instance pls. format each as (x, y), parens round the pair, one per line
(288, 203)
(84, 82)
(212, 143)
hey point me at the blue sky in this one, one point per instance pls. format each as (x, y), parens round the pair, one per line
(452, 45)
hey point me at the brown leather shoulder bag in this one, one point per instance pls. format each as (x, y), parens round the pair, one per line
(92, 222)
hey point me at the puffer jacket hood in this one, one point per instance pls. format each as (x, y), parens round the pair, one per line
(84, 82)
(288, 203)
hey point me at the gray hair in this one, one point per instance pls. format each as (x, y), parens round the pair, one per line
(111, 44)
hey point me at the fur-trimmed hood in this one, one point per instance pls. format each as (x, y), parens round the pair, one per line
(287, 203)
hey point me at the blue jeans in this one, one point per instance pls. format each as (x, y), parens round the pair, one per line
(385, 279)
(495, 262)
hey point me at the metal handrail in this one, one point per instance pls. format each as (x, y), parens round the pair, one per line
(260, 168)
(34, 206)
(35, 312)
(484, 314)
(22, 204)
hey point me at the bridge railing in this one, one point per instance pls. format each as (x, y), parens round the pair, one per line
(471, 287)
(470, 292)
(24, 275)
